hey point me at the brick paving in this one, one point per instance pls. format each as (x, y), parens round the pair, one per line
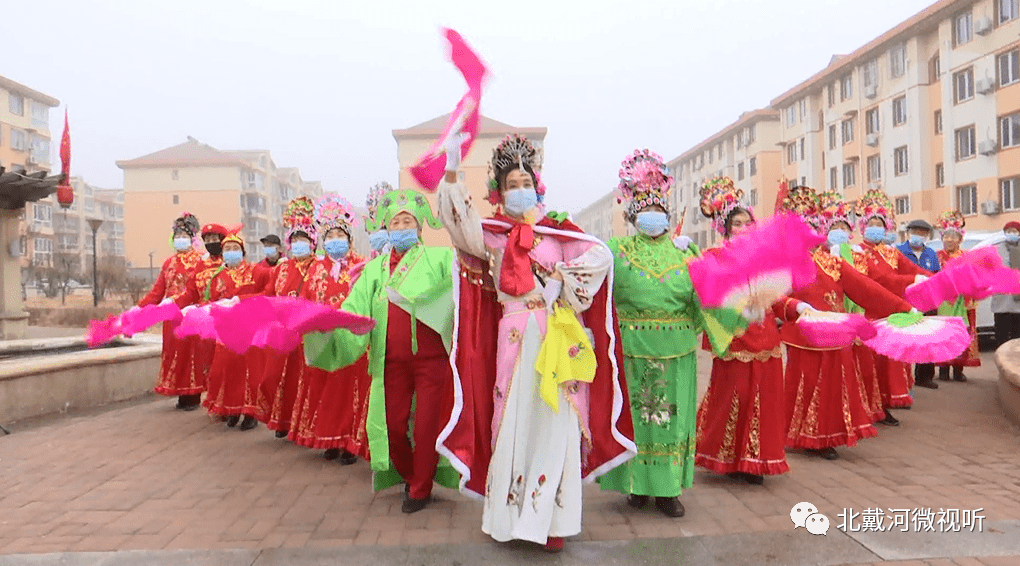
(141, 476)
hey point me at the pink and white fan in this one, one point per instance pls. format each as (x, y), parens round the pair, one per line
(834, 329)
(917, 339)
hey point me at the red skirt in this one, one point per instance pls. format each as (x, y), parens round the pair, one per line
(867, 372)
(231, 387)
(278, 391)
(342, 411)
(894, 380)
(735, 434)
(824, 404)
(177, 375)
(971, 357)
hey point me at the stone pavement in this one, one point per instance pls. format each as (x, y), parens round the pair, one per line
(179, 488)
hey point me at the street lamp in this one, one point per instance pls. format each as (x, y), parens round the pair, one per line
(152, 275)
(95, 223)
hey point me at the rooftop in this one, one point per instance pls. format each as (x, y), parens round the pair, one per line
(486, 127)
(745, 119)
(191, 152)
(23, 90)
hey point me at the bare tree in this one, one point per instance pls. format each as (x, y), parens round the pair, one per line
(59, 278)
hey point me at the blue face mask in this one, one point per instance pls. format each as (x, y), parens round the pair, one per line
(182, 244)
(378, 239)
(651, 223)
(300, 249)
(890, 237)
(271, 251)
(917, 241)
(838, 236)
(403, 240)
(519, 201)
(874, 234)
(336, 248)
(1013, 238)
(233, 257)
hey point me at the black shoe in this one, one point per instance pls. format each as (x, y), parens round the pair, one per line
(735, 475)
(958, 376)
(943, 374)
(346, 459)
(331, 454)
(248, 423)
(929, 383)
(670, 506)
(282, 433)
(414, 505)
(754, 479)
(637, 501)
(232, 420)
(889, 419)
(188, 407)
(827, 453)
(407, 488)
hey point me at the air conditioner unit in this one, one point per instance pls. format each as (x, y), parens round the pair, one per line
(30, 160)
(871, 140)
(984, 86)
(983, 26)
(871, 91)
(989, 207)
(987, 147)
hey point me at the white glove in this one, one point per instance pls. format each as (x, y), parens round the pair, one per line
(452, 147)
(188, 309)
(919, 278)
(166, 301)
(914, 310)
(682, 242)
(801, 307)
(551, 293)
(228, 302)
(753, 314)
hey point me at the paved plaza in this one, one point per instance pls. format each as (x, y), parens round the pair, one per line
(139, 482)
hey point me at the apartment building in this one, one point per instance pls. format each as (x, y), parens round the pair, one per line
(604, 218)
(413, 142)
(71, 233)
(225, 187)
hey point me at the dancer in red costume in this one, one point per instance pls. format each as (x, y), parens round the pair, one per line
(283, 371)
(951, 224)
(741, 424)
(825, 406)
(332, 407)
(177, 377)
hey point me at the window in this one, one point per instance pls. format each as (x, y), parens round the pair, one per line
(803, 181)
(846, 87)
(848, 131)
(849, 175)
(803, 108)
(17, 104)
(963, 85)
(753, 166)
(831, 95)
(938, 122)
(801, 149)
(19, 141)
(791, 115)
(963, 29)
(791, 152)
(42, 214)
(1010, 192)
(833, 178)
(874, 168)
(903, 205)
(740, 140)
(711, 156)
(740, 171)
(40, 114)
(754, 197)
(177, 199)
(901, 163)
(1009, 10)
(898, 61)
(90, 204)
(1009, 67)
(899, 111)
(966, 140)
(871, 121)
(966, 199)
(869, 74)
(43, 250)
(832, 136)
(1009, 131)
(935, 68)
(940, 175)
(750, 135)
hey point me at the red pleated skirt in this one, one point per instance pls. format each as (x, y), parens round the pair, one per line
(894, 380)
(867, 371)
(177, 375)
(231, 386)
(277, 394)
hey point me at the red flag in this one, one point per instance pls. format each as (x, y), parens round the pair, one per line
(784, 189)
(680, 224)
(65, 194)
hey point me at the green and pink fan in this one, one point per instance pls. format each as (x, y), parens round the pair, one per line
(917, 339)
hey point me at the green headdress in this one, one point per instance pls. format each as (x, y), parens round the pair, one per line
(403, 200)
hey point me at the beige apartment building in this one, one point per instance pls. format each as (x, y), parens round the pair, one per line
(71, 232)
(223, 187)
(929, 112)
(474, 172)
(604, 218)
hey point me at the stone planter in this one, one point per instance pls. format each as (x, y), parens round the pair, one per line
(1007, 357)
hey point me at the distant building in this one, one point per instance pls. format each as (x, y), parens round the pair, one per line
(604, 218)
(72, 234)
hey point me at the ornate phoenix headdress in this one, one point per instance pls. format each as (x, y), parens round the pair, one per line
(951, 220)
(802, 201)
(299, 217)
(333, 211)
(644, 181)
(515, 151)
(875, 204)
(234, 235)
(187, 223)
(375, 195)
(404, 200)
(832, 209)
(719, 196)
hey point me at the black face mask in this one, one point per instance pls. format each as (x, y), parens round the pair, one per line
(215, 249)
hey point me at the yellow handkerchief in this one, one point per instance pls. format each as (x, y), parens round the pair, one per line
(566, 355)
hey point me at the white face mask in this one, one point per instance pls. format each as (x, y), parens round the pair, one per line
(519, 201)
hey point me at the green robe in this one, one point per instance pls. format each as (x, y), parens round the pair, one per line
(422, 285)
(660, 323)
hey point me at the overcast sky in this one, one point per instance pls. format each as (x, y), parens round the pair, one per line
(321, 83)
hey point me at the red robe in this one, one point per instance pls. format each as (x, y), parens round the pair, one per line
(971, 357)
(741, 420)
(332, 407)
(265, 269)
(233, 378)
(467, 440)
(176, 374)
(825, 406)
(196, 293)
(892, 270)
(866, 359)
(274, 404)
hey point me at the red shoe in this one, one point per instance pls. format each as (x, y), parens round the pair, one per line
(554, 544)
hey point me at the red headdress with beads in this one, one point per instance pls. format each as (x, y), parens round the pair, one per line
(951, 220)
(832, 209)
(719, 197)
(515, 151)
(875, 204)
(299, 217)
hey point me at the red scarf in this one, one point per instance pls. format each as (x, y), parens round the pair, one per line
(515, 276)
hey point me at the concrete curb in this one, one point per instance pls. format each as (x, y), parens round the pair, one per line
(1007, 358)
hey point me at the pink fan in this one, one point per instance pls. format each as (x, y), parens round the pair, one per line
(197, 322)
(759, 267)
(149, 315)
(978, 274)
(303, 317)
(276, 337)
(833, 329)
(917, 339)
(237, 325)
(100, 332)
